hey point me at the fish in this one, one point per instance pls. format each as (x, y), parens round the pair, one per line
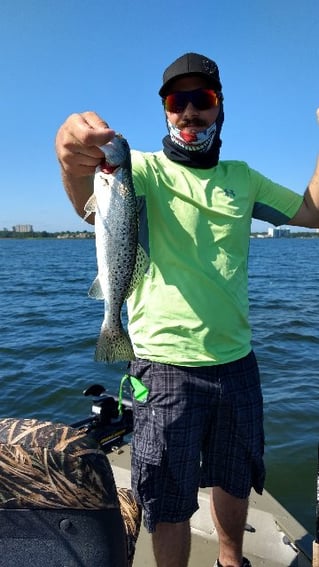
(117, 250)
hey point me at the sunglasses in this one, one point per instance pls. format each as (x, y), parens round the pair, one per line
(202, 99)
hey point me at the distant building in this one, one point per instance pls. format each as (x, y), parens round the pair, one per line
(23, 228)
(278, 232)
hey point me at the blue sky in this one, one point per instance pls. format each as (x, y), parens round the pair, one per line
(64, 56)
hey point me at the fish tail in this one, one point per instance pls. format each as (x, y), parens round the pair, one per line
(113, 346)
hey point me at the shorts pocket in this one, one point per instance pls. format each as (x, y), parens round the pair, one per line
(147, 443)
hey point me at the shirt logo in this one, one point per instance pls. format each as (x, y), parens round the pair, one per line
(229, 193)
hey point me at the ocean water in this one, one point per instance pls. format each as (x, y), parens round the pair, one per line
(49, 328)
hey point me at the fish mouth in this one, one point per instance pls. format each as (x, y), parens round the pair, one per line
(117, 154)
(106, 167)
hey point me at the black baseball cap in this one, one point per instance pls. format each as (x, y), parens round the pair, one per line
(191, 64)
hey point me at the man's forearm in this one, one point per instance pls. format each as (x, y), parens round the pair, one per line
(308, 214)
(78, 189)
(312, 192)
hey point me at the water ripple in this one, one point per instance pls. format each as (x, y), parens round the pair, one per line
(50, 327)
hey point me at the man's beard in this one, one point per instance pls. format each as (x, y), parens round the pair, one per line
(188, 122)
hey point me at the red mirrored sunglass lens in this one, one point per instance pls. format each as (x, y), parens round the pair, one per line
(202, 99)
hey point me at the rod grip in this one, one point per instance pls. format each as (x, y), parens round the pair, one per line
(315, 554)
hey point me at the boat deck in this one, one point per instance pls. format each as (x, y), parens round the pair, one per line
(273, 537)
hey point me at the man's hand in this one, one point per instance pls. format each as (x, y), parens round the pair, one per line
(77, 143)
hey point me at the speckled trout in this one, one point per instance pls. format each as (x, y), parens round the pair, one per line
(116, 236)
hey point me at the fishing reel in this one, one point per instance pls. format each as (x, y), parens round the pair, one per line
(108, 423)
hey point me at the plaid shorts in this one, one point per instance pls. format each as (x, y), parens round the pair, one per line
(199, 426)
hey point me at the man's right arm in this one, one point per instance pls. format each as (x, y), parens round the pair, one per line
(78, 189)
(77, 148)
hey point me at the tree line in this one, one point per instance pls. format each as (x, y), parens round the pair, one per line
(45, 234)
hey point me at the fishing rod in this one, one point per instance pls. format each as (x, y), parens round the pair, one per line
(315, 546)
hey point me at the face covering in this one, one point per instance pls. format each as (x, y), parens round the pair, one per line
(198, 150)
(192, 142)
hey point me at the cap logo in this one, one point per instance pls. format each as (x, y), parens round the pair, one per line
(208, 66)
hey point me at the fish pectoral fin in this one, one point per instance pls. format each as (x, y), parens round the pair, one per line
(142, 263)
(90, 206)
(95, 290)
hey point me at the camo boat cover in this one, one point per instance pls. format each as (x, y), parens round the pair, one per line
(132, 515)
(44, 465)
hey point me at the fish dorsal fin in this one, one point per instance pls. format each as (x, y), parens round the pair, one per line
(90, 206)
(142, 263)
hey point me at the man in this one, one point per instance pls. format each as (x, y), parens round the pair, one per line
(202, 423)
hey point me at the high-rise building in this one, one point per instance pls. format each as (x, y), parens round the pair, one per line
(23, 228)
